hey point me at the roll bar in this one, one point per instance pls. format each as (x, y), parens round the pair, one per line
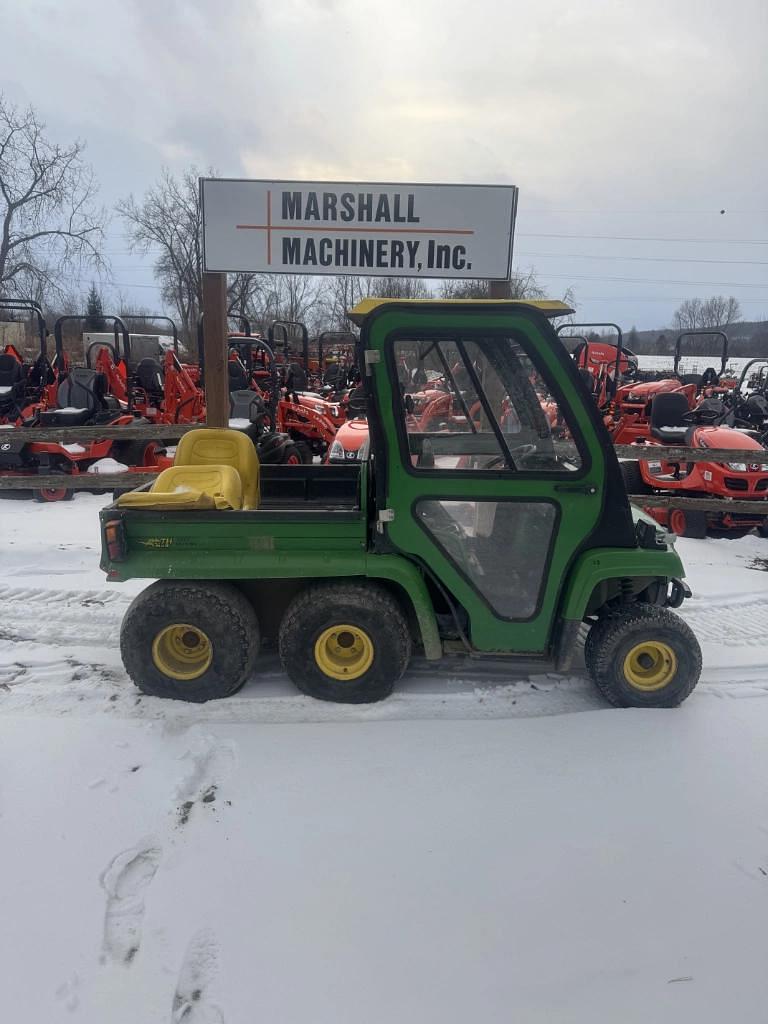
(283, 325)
(327, 337)
(750, 363)
(118, 322)
(30, 306)
(243, 321)
(165, 320)
(238, 343)
(694, 334)
(619, 343)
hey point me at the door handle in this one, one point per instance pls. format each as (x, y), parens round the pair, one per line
(576, 488)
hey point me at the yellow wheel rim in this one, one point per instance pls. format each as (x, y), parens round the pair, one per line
(650, 666)
(182, 651)
(344, 652)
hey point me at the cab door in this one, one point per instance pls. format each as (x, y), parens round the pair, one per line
(493, 473)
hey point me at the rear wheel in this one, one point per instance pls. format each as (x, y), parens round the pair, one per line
(138, 453)
(189, 641)
(724, 534)
(633, 478)
(643, 657)
(348, 643)
(688, 523)
(293, 456)
(53, 494)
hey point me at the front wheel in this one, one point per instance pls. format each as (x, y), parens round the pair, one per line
(345, 642)
(46, 494)
(189, 641)
(643, 656)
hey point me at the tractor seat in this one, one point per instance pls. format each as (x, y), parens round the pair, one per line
(588, 379)
(247, 413)
(149, 376)
(238, 377)
(11, 373)
(68, 417)
(220, 447)
(190, 487)
(668, 418)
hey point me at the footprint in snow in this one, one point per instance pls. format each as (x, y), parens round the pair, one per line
(125, 882)
(208, 762)
(199, 968)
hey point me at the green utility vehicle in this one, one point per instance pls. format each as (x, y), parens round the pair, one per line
(497, 527)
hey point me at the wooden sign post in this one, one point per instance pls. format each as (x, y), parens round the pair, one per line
(215, 350)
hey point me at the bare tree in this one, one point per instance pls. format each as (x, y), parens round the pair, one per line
(720, 311)
(523, 285)
(717, 311)
(169, 219)
(49, 224)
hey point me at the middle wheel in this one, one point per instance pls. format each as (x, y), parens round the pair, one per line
(345, 642)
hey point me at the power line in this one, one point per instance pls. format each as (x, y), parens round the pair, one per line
(647, 238)
(650, 259)
(653, 280)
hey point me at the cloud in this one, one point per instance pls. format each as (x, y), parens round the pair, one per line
(652, 108)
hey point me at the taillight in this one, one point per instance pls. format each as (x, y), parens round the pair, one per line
(114, 538)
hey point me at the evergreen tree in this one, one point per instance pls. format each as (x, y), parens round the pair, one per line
(95, 312)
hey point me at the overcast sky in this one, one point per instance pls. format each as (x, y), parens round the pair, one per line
(639, 120)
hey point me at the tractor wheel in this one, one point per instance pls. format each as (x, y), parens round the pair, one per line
(189, 641)
(137, 453)
(345, 642)
(643, 657)
(293, 455)
(688, 523)
(305, 452)
(53, 494)
(633, 478)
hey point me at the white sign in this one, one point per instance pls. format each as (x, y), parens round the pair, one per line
(377, 230)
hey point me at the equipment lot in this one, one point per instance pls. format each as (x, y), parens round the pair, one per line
(471, 848)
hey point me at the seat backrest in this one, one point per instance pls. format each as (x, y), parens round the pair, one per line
(149, 374)
(219, 447)
(82, 389)
(247, 405)
(238, 376)
(669, 410)
(11, 370)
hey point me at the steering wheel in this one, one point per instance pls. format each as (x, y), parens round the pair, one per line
(522, 449)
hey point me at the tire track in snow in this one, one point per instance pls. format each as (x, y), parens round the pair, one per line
(735, 621)
(61, 618)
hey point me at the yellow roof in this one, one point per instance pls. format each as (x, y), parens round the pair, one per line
(548, 307)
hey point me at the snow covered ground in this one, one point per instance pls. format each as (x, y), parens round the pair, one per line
(472, 849)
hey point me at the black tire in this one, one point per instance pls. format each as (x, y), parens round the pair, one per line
(49, 494)
(218, 610)
(305, 452)
(613, 637)
(136, 453)
(633, 478)
(688, 523)
(762, 530)
(293, 455)
(367, 608)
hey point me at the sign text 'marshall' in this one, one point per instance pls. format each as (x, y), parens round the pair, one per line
(362, 207)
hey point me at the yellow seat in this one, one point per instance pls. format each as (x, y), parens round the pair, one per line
(190, 487)
(215, 447)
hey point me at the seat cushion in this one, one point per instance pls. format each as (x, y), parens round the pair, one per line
(190, 487)
(68, 417)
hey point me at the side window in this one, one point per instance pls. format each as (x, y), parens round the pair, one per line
(501, 547)
(477, 404)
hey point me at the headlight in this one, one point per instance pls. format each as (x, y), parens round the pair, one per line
(337, 450)
(737, 467)
(635, 398)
